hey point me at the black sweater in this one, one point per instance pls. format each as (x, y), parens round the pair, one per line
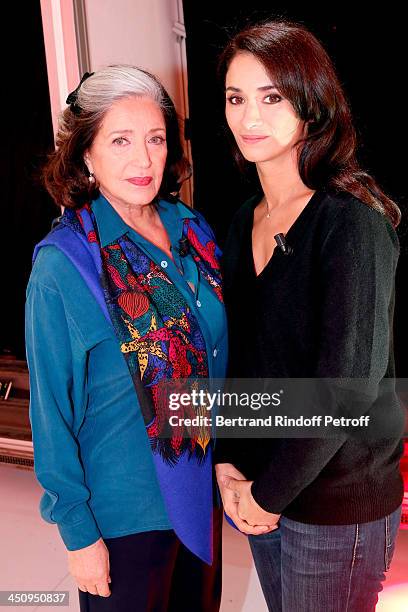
(325, 311)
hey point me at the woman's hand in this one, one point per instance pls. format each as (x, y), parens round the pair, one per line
(248, 510)
(90, 568)
(225, 473)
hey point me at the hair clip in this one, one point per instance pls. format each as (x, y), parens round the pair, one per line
(73, 96)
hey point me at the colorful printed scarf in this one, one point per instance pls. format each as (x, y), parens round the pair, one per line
(161, 341)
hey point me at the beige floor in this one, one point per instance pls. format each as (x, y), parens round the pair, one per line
(32, 556)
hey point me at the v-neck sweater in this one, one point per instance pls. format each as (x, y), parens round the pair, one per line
(325, 311)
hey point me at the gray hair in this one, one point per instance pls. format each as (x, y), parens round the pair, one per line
(98, 92)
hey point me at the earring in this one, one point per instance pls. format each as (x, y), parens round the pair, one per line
(91, 177)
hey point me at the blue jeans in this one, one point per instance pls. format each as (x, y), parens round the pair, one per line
(324, 568)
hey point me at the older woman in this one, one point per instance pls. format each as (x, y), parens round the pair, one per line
(125, 295)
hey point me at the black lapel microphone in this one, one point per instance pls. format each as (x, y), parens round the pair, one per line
(283, 245)
(183, 247)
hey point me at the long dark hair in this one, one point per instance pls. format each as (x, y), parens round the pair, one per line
(303, 72)
(65, 174)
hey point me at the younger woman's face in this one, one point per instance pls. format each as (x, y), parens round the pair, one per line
(263, 122)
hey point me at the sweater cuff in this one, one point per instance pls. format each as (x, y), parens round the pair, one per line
(80, 530)
(261, 493)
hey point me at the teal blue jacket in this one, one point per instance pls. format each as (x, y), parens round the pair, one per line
(91, 450)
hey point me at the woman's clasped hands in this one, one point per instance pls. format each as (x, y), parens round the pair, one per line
(239, 504)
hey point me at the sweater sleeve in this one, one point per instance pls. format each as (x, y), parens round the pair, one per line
(357, 268)
(55, 359)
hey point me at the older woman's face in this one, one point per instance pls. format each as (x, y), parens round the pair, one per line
(263, 122)
(129, 152)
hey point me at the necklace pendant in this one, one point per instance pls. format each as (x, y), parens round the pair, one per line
(268, 216)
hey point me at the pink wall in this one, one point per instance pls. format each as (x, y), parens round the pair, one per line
(60, 51)
(135, 32)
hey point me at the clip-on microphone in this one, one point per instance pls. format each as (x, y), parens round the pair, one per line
(283, 245)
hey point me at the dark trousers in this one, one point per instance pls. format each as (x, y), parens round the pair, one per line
(154, 572)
